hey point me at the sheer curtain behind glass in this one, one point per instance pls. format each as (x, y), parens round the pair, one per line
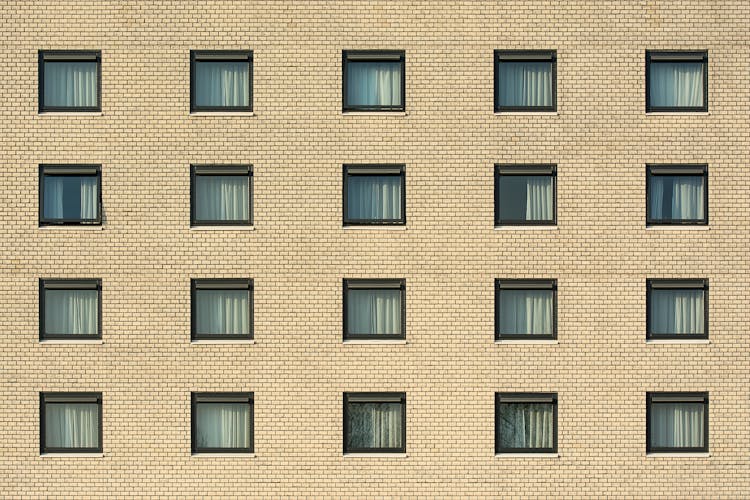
(70, 84)
(71, 425)
(222, 197)
(223, 425)
(374, 312)
(71, 312)
(374, 197)
(526, 198)
(373, 84)
(222, 84)
(525, 84)
(375, 425)
(676, 84)
(677, 312)
(71, 197)
(223, 312)
(526, 425)
(677, 425)
(526, 312)
(676, 197)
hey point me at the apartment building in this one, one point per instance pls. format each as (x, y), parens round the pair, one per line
(264, 249)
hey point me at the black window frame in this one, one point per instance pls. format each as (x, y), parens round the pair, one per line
(677, 397)
(197, 56)
(374, 397)
(540, 170)
(68, 397)
(364, 170)
(525, 284)
(221, 284)
(373, 56)
(670, 170)
(525, 56)
(70, 56)
(69, 284)
(197, 398)
(220, 170)
(529, 397)
(676, 56)
(374, 284)
(73, 170)
(677, 284)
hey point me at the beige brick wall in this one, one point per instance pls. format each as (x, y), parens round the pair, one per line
(601, 253)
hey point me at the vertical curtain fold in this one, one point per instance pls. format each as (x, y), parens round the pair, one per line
(676, 197)
(223, 425)
(222, 84)
(526, 198)
(676, 84)
(525, 84)
(371, 312)
(71, 312)
(71, 197)
(373, 84)
(53, 197)
(528, 312)
(677, 425)
(526, 425)
(374, 197)
(70, 84)
(71, 425)
(375, 425)
(677, 312)
(223, 312)
(222, 198)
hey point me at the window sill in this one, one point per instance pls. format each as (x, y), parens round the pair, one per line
(526, 113)
(677, 113)
(375, 455)
(374, 113)
(526, 228)
(222, 455)
(527, 455)
(72, 341)
(223, 341)
(678, 228)
(72, 227)
(375, 342)
(678, 341)
(71, 113)
(71, 455)
(528, 342)
(376, 227)
(222, 113)
(222, 228)
(691, 454)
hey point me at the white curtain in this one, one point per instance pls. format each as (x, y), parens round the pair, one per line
(222, 197)
(538, 198)
(677, 425)
(677, 311)
(525, 84)
(222, 84)
(375, 425)
(223, 312)
(526, 425)
(71, 312)
(371, 312)
(70, 84)
(223, 425)
(373, 84)
(676, 197)
(71, 197)
(374, 197)
(53, 197)
(676, 84)
(71, 425)
(526, 312)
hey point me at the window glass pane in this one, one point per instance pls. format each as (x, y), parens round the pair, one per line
(71, 312)
(373, 83)
(676, 84)
(525, 84)
(71, 425)
(222, 197)
(372, 312)
(375, 425)
(526, 425)
(677, 425)
(526, 312)
(525, 198)
(71, 197)
(222, 425)
(222, 312)
(222, 83)
(677, 312)
(676, 197)
(374, 197)
(70, 84)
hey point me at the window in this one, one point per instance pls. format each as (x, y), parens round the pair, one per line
(70, 80)
(374, 309)
(70, 422)
(676, 81)
(525, 80)
(221, 80)
(70, 309)
(221, 195)
(677, 194)
(525, 423)
(525, 309)
(525, 195)
(375, 422)
(677, 309)
(374, 194)
(222, 422)
(222, 309)
(676, 421)
(70, 194)
(374, 80)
